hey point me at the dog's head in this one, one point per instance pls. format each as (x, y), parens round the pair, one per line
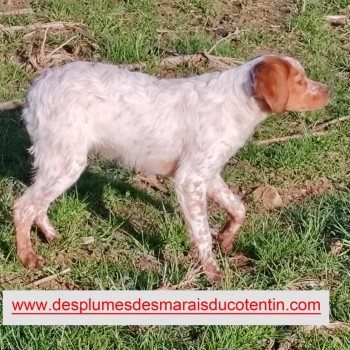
(280, 84)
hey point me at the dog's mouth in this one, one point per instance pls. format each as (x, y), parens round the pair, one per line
(316, 96)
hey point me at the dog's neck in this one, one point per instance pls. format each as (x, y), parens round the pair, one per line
(241, 93)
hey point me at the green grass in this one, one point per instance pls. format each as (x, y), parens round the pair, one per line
(140, 239)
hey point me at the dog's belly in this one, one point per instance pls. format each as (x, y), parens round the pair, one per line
(157, 167)
(147, 147)
(155, 160)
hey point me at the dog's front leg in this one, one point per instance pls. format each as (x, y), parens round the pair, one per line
(219, 192)
(191, 191)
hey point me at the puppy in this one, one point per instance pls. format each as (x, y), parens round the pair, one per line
(186, 128)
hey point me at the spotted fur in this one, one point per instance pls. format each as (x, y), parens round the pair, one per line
(187, 128)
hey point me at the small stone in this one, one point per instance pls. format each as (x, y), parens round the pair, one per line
(336, 247)
(87, 240)
(269, 197)
(336, 20)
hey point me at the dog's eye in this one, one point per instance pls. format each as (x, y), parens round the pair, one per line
(300, 82)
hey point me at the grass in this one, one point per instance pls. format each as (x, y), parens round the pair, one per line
(140, 239)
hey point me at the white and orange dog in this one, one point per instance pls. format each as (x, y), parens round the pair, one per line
(186, 128)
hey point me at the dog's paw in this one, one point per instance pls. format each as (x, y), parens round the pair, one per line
(46, 228)
(226, 245)
(212, 271)
(31, 260)
(51, 235)
(226, 240)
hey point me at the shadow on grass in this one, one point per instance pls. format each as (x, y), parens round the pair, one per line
(14, 142)
(15, 164)
(91, 186)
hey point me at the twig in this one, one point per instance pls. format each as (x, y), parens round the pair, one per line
(331, 327)
(17, 12)
(303, 6)
(40, 26)
(324, 125)
(287, 138)
(336, 20)
(305, 283)
(230, 35)
(47, 279)
(8, 105)
(60, 47)
(164, 31)
(43, 43)
(166, 50)
(92, 41)
(224, 62)
(172, 62)
(319, 131)
(153, 181)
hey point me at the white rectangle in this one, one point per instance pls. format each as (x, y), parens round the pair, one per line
(164, 307)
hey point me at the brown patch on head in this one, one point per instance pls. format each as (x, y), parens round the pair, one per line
(280, 84)
(270, 83)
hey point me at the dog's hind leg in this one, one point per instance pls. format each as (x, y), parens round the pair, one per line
(53, 177)
(44, 225)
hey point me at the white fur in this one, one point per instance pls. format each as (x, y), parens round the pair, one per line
(197, 123)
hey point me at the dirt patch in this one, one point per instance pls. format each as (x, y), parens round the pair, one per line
(258, 13)
(136, 216)
(146, 262)
(241, 262)
(230, 14)
(308, 190)
(270, 198)
(262, 14)
(183, 258)
(173, 10)
(10, 5)
(24, 280)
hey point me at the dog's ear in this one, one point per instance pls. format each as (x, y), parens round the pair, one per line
(271, 83)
